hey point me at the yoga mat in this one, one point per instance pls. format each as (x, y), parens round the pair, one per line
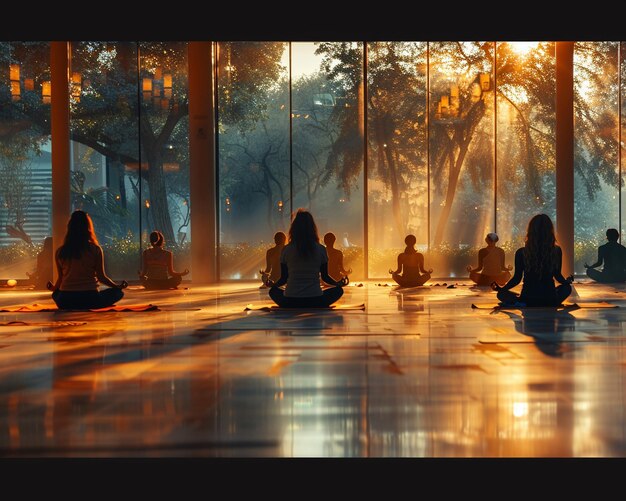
(569, 306)
(341, 307)
(37, 308)
(18, 323)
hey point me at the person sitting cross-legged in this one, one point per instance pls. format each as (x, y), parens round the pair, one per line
(302, 262)
(490, 264)
(613, 255)
(539, 263)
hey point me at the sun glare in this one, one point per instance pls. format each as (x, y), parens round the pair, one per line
(523, 48)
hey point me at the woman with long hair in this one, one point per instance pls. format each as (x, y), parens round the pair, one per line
(410, 272)
(158, 266)
(302, 261)
(539, 262)
(80, 266)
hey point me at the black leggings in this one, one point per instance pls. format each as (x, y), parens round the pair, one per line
(411, 282)
(161, 283)
(86, 300)
(328, 297)
(560, 294)
(605, 277)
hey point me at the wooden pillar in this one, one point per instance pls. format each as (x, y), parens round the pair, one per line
(60, 133)
(202, 163)
(565, 152)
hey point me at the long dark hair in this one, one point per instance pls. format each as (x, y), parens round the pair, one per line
(303, 232)
(80, 234)
(410, 242)
(540, 247)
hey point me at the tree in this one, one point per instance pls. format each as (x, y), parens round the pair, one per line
(460, 135)
(117, 106)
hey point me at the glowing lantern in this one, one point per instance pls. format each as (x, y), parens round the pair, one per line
(15, 91)
(29, 84)
(46, 91)
(14, 72)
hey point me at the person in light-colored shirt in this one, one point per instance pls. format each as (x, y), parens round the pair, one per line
(302, 262)
(80, 266)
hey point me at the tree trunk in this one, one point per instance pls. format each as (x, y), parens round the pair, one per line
(159, 208)
(455, 171)
(395, 191)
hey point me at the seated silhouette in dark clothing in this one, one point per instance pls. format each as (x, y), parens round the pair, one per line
(613, 255)
(335, 258)
(539, 262)
(272, 259)
(411, 265)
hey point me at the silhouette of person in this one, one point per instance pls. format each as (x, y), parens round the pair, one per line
(80, 265)
(272, 259)
(302, 262)
(539, 263)
(158, 266)
(411, 265)
(491, 262)
(335, 258)
(613, 254)
(43, 272)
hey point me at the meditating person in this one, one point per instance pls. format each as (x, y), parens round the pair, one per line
(336, 271)
(272, 259)
(80, 266)
(410, 272)
(158, 266)
(613, 255)
(302, 262)
(539, 263)
(43, 272)
(491, 262)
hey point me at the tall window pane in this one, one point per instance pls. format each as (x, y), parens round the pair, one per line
(397, 146)
(25, 161)
(461, 153)
(104, 148)
(327, 132)
(526, 130)
(596, 181)
(164, 128)
(253, 127)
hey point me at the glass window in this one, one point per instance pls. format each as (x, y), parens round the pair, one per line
(397, 145)
(596, 176)
(327, 142)
(253, 141)
(25, 160)
(461, 153)
(526, 131)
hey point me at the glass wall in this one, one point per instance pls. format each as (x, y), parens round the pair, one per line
(327, 141)
(164, 141)
(253, 141)
(461, 153)
(460, 142)
(596, 119)
(526, 132)
(25, 161)
(397, 150)
(129, 150)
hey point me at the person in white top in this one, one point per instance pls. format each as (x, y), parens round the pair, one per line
(302, 262)
(491, 262)
(80, 265)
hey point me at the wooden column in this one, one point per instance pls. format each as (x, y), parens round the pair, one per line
(202, 163)
(60, 133)
(565, 152)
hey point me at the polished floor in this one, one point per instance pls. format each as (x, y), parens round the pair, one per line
(418, 373)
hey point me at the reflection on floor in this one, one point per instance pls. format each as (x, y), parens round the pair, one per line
(418, 373)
